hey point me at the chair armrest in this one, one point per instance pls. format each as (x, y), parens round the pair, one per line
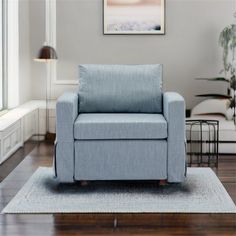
(66, 113)
(174, 107)
(174, 113)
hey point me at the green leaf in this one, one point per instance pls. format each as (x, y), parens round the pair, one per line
(233, 83)
(214, 95)
(232, 103)
(215, 79)
(227, 41)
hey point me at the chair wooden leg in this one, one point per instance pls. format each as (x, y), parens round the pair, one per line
(84, 183)
(163, 182)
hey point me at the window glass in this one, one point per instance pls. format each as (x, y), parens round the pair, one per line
(1, 57)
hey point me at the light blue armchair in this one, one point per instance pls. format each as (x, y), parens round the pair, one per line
(120, 126)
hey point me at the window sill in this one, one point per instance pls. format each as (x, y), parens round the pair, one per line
(3, 112)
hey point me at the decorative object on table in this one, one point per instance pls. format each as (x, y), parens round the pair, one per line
(211, 106)
(47, 54)
(43, 194)
(134, 16)
(227, 41)
(202, 142)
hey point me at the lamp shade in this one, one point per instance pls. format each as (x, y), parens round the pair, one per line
(46, 53)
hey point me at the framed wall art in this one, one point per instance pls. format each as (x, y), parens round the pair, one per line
(134, 16)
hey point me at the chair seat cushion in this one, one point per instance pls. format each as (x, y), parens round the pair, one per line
(120, 126)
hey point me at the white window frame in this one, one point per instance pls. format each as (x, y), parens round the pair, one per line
(1, 59)
(3, 52)
(12, 60)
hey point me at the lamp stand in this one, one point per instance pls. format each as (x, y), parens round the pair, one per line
(48, 136)
(47, 54)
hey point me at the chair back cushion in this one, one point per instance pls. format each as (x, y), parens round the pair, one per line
(120, 88)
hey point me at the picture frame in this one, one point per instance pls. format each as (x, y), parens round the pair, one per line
(127, 17)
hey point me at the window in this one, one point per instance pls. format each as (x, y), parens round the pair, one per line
(3, 81)
(1, 58)
(9, 59)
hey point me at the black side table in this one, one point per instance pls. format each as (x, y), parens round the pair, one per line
(202, 142)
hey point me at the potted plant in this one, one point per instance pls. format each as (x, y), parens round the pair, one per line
(227, 41)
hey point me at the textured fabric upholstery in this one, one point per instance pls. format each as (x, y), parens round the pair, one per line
(120, 88)
(66, 113)
(143, 141)
(120, 159)
(64, 164)
(174, 112)
(120, 126)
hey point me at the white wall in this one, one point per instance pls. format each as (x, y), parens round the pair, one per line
(188, 50)
(37, 36)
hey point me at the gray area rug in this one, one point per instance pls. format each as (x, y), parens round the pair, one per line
(202, 192)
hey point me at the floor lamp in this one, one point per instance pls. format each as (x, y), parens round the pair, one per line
(47, 54)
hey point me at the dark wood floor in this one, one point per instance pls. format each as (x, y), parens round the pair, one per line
(103, 224)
